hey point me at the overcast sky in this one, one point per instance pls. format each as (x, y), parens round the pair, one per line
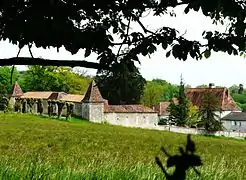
(220, 68)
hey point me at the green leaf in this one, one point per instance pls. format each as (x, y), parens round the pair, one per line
(207, 54)
(87, 52)
(168, 54)
(164, 45)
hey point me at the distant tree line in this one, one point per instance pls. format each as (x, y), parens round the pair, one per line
(126, 86)
(43, 78)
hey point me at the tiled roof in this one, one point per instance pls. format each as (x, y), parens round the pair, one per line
(72, 98)
(129, 109)
(195, 95)
(236, 116)
(93, 94)
(57, 95)
(162, 107)
(16, 90)
(37, 95)
(44, 95)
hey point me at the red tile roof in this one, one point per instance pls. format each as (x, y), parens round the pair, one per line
(162, 107)
(195, 95)
(36, 95)
(57, 95)
(16, 90)
(135, 108)
(93, 94)
(72, 98)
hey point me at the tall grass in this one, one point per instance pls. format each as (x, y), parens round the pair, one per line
(32, 147)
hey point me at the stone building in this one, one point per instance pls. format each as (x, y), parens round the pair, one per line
(93, 107)
(235, 121)
(195, 95)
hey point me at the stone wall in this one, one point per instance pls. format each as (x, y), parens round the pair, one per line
(96, 112)
(85, 111)
(132, 119)
(77, 109)
(239, 135)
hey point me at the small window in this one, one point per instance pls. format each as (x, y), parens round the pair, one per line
(117, 118)
(239, 124)
(144, 117)
(234, 123)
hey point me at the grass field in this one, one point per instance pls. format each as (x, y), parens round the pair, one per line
(33, 147)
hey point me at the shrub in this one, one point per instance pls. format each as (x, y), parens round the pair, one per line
(4, 103)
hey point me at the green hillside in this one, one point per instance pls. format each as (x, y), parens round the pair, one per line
(32, 147)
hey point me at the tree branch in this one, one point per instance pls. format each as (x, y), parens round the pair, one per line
(142, 26)
(126, 35)
(29, 48)
(13, 67)
(47, 62)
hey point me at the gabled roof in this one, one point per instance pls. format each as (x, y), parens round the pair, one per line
(93, 94)
(16, 90)
(235, 116)
(135, 108)
(195, 95)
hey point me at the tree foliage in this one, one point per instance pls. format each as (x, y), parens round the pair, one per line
(194, 119)
(96, 26)
(125, 85)
(158, 90)
(50, 78)
(179, 112)
(4, 103)
(207, 112)
(239, 95)
(5, 79)
(152, 94)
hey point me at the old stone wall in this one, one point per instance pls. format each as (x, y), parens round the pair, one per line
(183, 130)
(77, 109)
(45, 106)
(132, 119)
(96, 112)
(85, 111)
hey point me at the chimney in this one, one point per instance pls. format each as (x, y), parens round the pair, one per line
(240, 90)
(211, 85)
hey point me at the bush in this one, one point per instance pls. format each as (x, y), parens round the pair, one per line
(163, 121)
(4, 104)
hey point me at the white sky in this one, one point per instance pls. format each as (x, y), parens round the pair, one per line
(220, 68)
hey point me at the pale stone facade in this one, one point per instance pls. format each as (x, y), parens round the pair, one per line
(94, 108)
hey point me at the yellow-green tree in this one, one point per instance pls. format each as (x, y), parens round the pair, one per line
(152, 94)
(194, 118)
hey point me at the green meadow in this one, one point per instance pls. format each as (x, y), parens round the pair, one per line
(33, 147)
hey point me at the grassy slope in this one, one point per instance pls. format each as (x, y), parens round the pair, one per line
(32, 146)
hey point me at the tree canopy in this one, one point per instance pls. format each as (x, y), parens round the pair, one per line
(103, 27)
(6, 76)
(123, 85)
(51, 78)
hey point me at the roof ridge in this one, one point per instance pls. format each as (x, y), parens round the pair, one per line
(16, 90)
(93, 94)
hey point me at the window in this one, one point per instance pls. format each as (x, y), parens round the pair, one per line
(117, 118)
(239, 124)
(233, 123)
